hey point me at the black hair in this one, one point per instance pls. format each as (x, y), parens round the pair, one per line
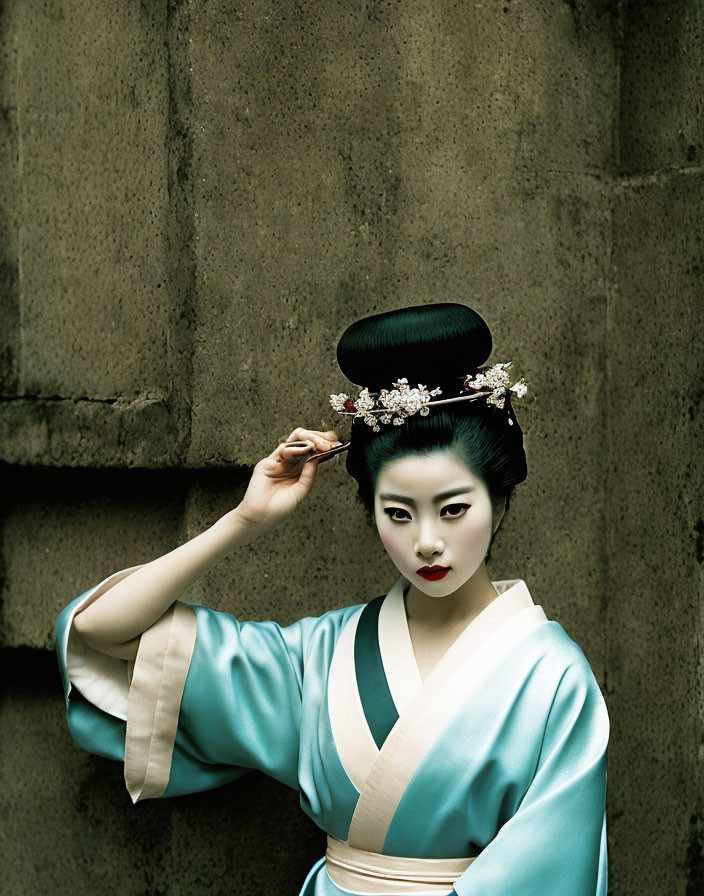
(430, 345)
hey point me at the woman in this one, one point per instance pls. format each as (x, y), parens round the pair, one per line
(446, 735)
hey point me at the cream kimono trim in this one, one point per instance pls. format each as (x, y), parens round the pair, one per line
(363, 872)
(160, 670)
(430, 710)
(102, 679)
(145, 693)
(353, 739)
(396, 649)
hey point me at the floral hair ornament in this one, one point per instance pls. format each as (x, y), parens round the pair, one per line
(394, 405)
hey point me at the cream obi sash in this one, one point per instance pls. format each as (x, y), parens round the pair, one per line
(364, 872)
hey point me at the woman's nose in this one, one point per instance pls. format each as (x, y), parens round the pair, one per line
(429, 544)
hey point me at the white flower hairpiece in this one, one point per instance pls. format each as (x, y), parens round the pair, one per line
(394, 405)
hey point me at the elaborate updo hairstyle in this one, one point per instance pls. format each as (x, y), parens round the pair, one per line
(433, 345)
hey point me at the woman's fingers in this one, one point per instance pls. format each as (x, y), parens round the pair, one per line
(321, 440)
(294, 453)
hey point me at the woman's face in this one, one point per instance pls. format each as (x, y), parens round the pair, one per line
(430, 510)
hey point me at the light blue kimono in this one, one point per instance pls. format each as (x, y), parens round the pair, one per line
(500, 754)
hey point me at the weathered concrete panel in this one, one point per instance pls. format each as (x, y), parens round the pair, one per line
(661, 85)
(655, 481)
(348, 160)
(64, 533)
(140, 432)
(9, 204)
(92, 98)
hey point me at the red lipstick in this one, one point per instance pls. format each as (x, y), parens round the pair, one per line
(432, 573)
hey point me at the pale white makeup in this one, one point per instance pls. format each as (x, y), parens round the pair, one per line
(420, 524)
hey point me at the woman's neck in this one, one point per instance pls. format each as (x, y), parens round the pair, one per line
(461, 606)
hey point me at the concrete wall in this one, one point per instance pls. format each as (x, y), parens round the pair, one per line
(196, 200)
(655, 528)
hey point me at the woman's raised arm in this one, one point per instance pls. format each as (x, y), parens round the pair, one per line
(114, 622)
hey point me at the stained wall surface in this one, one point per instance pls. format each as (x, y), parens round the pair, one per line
(655, 487)
(196, 200)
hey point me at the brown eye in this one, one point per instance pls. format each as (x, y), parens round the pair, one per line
(392, 510)
(457, 510)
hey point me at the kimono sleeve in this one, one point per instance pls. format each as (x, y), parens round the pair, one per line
(555, 843)
(206, 699)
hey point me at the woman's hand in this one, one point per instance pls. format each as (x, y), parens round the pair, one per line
(282, 480)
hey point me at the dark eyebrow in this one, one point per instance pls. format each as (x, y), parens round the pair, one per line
(440, 497)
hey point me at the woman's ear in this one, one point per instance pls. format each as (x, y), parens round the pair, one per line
(499, 510)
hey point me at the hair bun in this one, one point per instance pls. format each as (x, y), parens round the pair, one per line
(432, 344)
